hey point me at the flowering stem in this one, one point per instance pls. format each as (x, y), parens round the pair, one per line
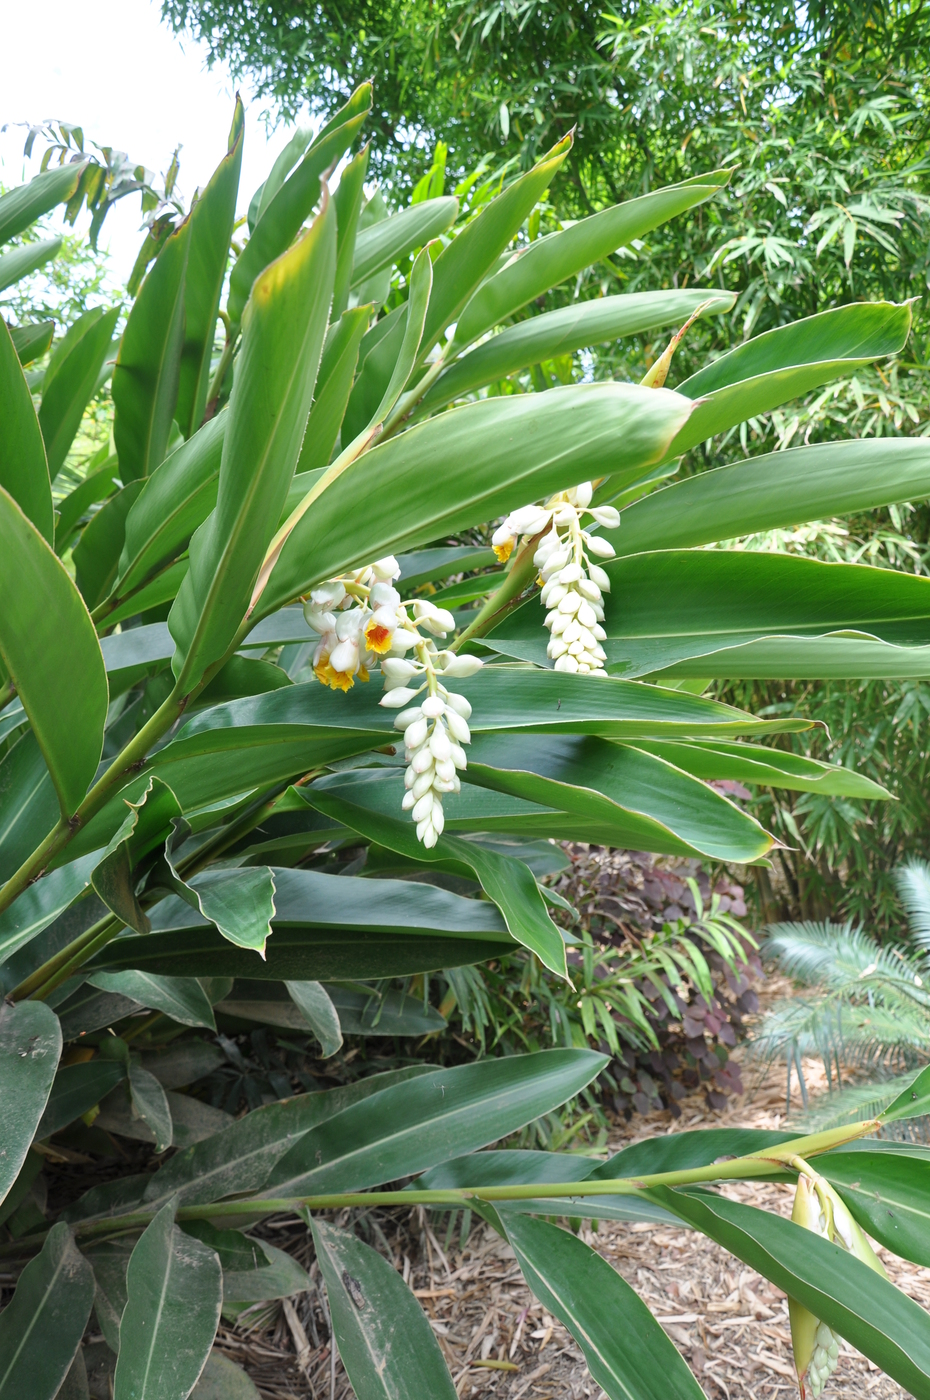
(515, 582)
(769, 1163)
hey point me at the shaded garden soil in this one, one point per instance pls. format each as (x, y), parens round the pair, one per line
(730, 1324)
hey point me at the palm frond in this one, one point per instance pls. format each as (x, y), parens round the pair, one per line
(859, 1102)
(839, 955)
(912, 881)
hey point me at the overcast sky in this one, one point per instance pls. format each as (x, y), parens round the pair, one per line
(112, 67)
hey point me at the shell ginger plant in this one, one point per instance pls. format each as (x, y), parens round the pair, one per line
(191, 726)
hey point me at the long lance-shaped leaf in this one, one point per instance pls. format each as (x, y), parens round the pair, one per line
(337, 370)
(551, 260)
(385, 243)
(509, 883)
(738, 613)
(239, 903)
(31, 341)
(467, 259)
(590, 777)
(293, 203)
(241, 1157)
(750, 763)
(279, 172)
(775, 491)
(30, 1043)
(320, 923)
(852, 1299)
(174, 1293)
(570, 328)
(30, 803)
(50, 650)
(145, 376)
(627, 1352)
(410, 1127)
(41, 903)
(176, 500)
(97, 486)
(790, 360)
(18, 264)
(22, 206)
(181, 998)
(212, 219)
(330, 1011)
(386, 1343)
(41, 1329)
(23, 464)
(70, 380)
(78, 1088)
(268, 410)
(349, 196)
(888, 1193)
(97, 553)
(490, 456)
(388, 366)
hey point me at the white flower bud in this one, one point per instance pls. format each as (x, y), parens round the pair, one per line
(394, 669)
(422, 761)
(589, 589)
(458, 727)
(433, 707)
(608, 516)
(386, 568)
(571, 573)
(440, 744)
(570, 603)
(556, 648)
(409, 800)
(344, 657)
(566, 663)
(457, 754)
(460, 705)
(328, 595)
(598, 576)
(395, 697)
(581, 495)
(601, 547)
(586, 614)
(406, 717)
(403, 640)
(528, 520)
(415, 735)
(460, 666)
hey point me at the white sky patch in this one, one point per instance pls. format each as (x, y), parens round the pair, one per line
(112, 67)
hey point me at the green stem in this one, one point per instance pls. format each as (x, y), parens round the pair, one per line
(7, 693)
(31, 985)
(213, 393)
(770, 1163)
(517, 580)
(408, 402)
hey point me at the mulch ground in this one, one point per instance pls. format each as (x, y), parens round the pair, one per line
(729, 1323)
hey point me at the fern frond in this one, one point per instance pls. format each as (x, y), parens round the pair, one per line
(854, 1105)
(912, 881)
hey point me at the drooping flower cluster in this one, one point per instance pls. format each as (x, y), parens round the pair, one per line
(360, 618)
(819, 1208)
(573, 587)
(362, 621)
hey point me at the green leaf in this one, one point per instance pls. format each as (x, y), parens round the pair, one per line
(281, 1279)
(388, 378)
(235, 1250)
(211, 220)
(738, 613)
(791, 360)
(97, 553)
(548, 261)
(491, 456)
(509, 883)
(23, 466)
(316, 1007)
(76, 1089)
(337, 369)
(323, 923)
(411, 1127)
(21, 261)
(279, 172)
(267, 416)
(71, 379)
(109, 1260)
(912, 1102)
(388, 242)
(750, 763)
(30, 1043)
(372, 1308)
(353, 1012)
(50, 649)
(241, 903)
(21, 206)
(350, 193)
(467, 259)
(222, 1379)
(175, 1290)
(42, 902)
(145, 376)
(292, 204)
(241, 1157)
(176, 499)
(606, 781)
(30, 806)
(41, 1329)
(627, 1352)
(31, 341)
(181, 998)
(98, 486)
(776, 491)
(681, 1151)
(568, 329)
(835, 1286)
